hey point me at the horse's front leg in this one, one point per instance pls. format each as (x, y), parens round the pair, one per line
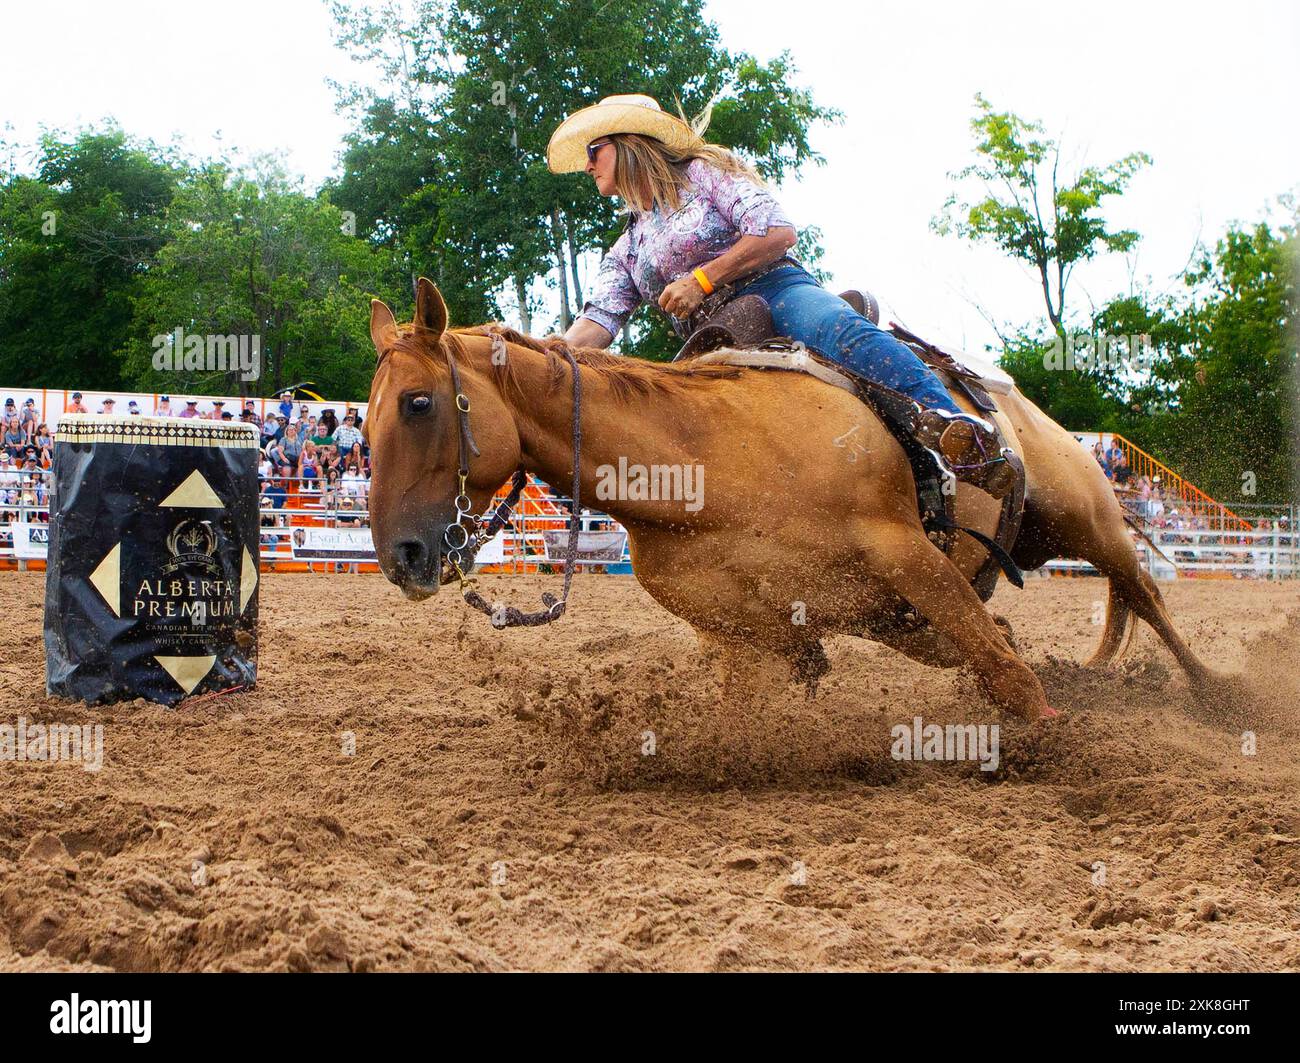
(918, 572)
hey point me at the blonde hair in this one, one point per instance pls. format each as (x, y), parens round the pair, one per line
(648, 172)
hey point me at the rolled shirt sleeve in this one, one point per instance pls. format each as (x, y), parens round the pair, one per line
(614, 294)
(751, 209)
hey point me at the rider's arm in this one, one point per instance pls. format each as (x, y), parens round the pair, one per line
(750, 253)
(586, 333)
(614, 296)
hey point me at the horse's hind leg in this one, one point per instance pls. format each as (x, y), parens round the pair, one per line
(1110, 551)
(921, 574)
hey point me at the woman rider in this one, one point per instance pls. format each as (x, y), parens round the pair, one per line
(700, 217)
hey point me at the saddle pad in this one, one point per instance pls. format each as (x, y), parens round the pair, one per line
(795, 361)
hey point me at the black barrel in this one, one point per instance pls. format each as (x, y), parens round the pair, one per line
(151, 580)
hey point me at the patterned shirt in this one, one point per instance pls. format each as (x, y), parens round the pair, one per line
(717, 209)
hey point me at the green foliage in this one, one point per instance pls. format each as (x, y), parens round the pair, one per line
(1238, 386)
(75, 240)
(479, 212)
(254, 255)
(1024, 210)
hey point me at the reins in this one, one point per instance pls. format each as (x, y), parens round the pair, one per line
(467, 536)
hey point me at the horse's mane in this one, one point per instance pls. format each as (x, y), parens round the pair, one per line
(628, 378)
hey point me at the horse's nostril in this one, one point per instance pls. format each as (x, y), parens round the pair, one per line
(411, 554)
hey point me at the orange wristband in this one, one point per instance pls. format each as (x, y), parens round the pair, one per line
(705, 283)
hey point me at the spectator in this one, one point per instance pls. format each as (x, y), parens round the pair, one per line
(286, 404)
(164, 408)
(76, 406)
(329, 421)
(265, 468)
(250, 413)
(218, 408)
(1099, 452)
(347, 436)
(191, 408)
(8, 477)
(331, 493)
(357, 458)
(106, 407)
(347, 512)
(356, 416)
(354, 484)
(29, 414)
(284, 453)
(275, 491)
(323, 437)
(15, 439)
(133, 408)
(1121, 471)
(1113, 453)
(309, 466)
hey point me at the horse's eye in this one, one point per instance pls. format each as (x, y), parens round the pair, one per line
(421, 404)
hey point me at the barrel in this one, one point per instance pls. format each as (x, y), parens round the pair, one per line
(151, 579)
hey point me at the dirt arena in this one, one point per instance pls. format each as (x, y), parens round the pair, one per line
(499, 813)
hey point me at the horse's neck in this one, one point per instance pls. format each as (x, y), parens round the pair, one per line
(613, 428)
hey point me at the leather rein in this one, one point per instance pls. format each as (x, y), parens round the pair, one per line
(468, 535)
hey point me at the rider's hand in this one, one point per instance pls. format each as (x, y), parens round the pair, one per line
(681, 298)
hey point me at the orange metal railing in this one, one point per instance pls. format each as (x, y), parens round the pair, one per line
(1192, 501)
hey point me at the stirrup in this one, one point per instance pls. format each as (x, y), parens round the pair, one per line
(968, 446)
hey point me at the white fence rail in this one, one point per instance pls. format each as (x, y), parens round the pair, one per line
(1270, 551)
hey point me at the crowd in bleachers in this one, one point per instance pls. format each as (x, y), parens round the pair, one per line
(1146, 497)
(327, 458)
(26, 451)
(324, 456)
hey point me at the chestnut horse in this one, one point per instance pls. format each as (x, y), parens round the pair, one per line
(807, 525)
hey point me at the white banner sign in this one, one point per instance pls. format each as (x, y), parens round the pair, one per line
(594, 548)
(332, 544)
(30, 541)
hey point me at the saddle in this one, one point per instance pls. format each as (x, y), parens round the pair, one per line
(741, 333)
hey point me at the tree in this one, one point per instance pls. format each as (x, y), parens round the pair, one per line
(1237, 384)
(1024, 210)
(254, 255)
(493, 80)
(76, 239)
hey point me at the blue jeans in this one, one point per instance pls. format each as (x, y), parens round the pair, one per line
(803, 310)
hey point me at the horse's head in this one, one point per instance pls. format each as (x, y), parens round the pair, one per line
(413, 429)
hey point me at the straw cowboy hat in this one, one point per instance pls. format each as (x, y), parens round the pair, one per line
(634, 113)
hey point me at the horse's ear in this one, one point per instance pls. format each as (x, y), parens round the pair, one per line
(430, 310)
(383, 326)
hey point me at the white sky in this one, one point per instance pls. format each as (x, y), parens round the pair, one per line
(1207, 89)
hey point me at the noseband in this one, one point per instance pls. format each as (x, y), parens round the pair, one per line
(468, 534)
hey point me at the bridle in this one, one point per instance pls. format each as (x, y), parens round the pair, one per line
(464, 538)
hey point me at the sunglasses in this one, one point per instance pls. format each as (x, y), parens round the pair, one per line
(594, 147)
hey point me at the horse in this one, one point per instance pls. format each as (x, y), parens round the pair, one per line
(807, 524)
